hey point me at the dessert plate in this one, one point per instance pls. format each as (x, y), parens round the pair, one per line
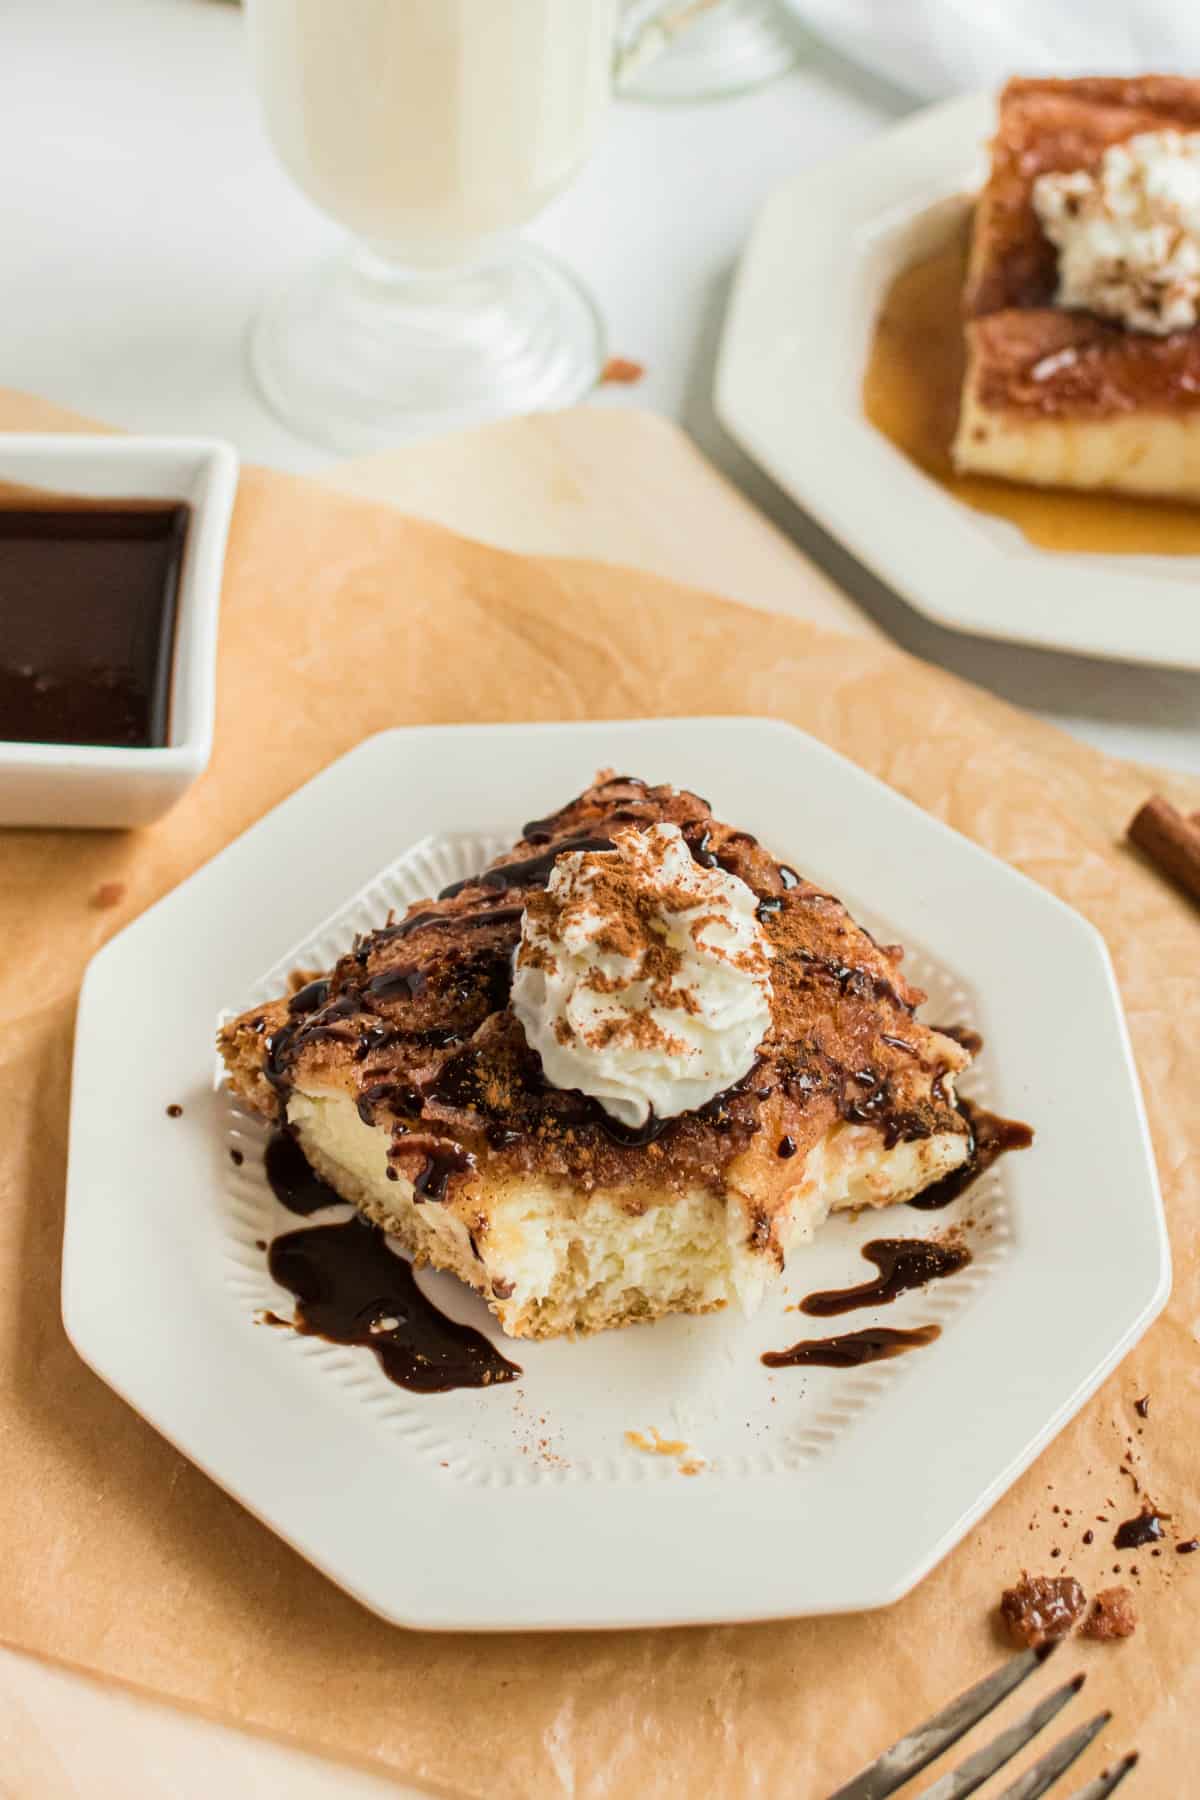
(774, 1507)
(819, 259)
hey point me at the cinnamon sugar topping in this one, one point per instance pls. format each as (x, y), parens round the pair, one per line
(414, 1021)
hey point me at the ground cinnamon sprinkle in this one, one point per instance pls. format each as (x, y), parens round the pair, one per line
(631, 902)
(656, 1444)
(622, 370)
(1112, 1615)
(109, 893)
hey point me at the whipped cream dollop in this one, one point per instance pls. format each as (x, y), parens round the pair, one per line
(1128, 236)
(642, 978)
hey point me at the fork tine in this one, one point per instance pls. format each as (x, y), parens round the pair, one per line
(1108, 1782)
(1042, 1776)
(909, 1755)
(984, 1762)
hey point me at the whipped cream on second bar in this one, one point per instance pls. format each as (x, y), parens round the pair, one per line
(642, 978)
(1128, 236)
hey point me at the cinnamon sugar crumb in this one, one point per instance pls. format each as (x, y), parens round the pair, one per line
(1113, 1616)
(656, 1444)
(623, 371)
(690, 1462)
(109, 893)
(1041, 1608)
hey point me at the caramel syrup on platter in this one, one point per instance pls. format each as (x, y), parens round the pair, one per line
(911, 394)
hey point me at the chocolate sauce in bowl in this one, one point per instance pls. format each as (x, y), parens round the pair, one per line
(350, 1288)
(991, 1137)
(851, 1349)
(903, 1264)
(87, 618)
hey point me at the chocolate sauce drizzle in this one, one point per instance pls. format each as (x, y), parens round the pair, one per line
(409, 981)
(903, 1264)
(699, 842)
(1146, 1528)
(864, 984)
(633, 1137)
(853, 1348)
(293, 1182)
(443, 1159)
(91, 592)
(496, 915)
(861, 1096)
(346, 1281)
(530, 871)
(351, 1289)
(991, 1137)
(310, 998)
(971, 1040)
(456, 1085)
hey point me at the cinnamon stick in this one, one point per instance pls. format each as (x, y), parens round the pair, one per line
(1171, 841)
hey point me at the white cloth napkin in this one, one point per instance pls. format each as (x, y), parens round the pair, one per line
(939, 47)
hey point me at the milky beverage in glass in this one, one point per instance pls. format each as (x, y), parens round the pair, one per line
(428, 126)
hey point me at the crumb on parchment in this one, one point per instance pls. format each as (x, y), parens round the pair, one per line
(1112, 1616)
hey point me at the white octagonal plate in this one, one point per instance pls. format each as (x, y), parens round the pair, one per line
(821, 255)
(784, 1514)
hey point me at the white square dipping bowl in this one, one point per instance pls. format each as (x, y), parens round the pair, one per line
(103, 785)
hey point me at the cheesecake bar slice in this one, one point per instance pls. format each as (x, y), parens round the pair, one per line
(409, 1083)
(1059, 395)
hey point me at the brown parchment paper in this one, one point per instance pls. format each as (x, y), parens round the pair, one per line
(339, 619)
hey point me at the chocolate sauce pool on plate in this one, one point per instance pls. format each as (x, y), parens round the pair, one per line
(853, 1348)
(903, 1264)
(350, 1288)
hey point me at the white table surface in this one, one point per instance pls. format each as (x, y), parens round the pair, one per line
(142, 216)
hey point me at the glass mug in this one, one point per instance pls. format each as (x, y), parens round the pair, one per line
(430, 129)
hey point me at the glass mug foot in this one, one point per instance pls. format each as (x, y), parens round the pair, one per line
(360, 355)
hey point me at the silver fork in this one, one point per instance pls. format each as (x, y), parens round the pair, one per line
(915, 1752)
